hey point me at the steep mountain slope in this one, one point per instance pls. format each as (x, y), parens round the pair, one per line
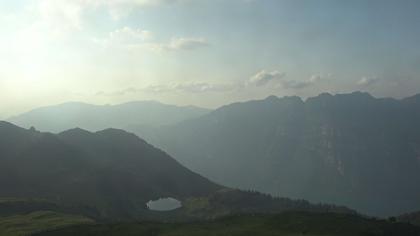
(92, 117)
(111, 175)
(350, 149)
(111, 170)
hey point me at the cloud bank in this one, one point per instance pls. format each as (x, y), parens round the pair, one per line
(184, 87)
(263, 78)
(278, 79)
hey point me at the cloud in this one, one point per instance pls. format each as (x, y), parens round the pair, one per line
(312, 81)
(125, 37)
(294, 84)
(263, 78)
(200, 87)
(117, 93)
(176, 44)
(131, 38)
(368, 81)
(73, 14)
(59, 14)
(138, 3)
(121, 8)
(129, 35)
(185, 87)
(190, 87)
(317, 77)
(187, 43)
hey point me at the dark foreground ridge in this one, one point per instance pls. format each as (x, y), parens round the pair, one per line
(287, 224)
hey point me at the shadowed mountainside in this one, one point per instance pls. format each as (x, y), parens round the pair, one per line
(350, 149)
(110, 170)
(111, 175)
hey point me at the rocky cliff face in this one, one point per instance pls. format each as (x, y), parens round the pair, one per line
(350, 149)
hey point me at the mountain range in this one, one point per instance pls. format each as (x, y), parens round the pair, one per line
(346, 149)
(111, 175)
(69, 115)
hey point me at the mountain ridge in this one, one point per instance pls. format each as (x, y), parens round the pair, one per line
(333, 142)
(111, 167)
(110, 175)
(64, 116)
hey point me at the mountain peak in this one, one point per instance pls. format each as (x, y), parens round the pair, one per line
(120, 136)
(361, 94)
(354, 95)
(275, 98)
(76, 130)
(293, 99)
(113, 131)
(272, 98)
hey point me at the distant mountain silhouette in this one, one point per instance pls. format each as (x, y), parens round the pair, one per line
(351, 149)
(93, 117)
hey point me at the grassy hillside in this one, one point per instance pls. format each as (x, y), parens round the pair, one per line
(288, 224)
(412, 218)
(28, 224)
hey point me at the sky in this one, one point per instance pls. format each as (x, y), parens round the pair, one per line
(204, 52)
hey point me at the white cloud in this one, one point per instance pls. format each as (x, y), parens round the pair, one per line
(187, 43)
(121, 8)
(294, 84)
(130, 35)
(297, 84)
(59, 14)
(130, 38)
(125, 37)
(72, 14)
(200, 87)
(368, 81)
(263, 77)
(184, 87)
(315, 78)
(139, 3)
(176, 44)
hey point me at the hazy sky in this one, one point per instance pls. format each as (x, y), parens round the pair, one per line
(203, 52)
